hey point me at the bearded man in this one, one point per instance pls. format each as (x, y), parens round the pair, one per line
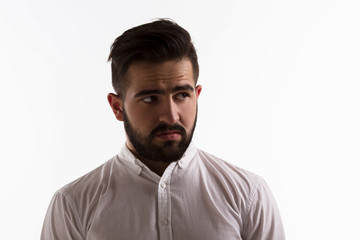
(160, 185)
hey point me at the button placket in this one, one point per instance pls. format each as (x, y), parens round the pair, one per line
(164, 204)
(164, 222)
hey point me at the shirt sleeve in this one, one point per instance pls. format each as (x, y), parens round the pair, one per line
(62, 219)
(263, 221)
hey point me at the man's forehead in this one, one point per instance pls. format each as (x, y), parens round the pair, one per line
(164, 77)
(169, 72)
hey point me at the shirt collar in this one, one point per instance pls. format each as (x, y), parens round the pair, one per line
(188, 155)
(129, 159)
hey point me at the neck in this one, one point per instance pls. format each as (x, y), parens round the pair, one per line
(155, 166)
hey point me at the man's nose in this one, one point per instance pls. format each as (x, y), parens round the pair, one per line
(169, 112)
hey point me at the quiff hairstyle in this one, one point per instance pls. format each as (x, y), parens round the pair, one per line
(155, 42)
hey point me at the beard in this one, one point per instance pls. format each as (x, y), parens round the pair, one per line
(168, 151)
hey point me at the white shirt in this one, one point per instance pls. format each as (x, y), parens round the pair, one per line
(198, 197)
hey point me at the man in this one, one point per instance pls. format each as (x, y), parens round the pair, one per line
(160, 186)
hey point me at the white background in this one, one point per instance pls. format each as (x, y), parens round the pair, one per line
(280, 98)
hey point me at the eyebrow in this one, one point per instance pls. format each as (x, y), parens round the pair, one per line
(149, 92)
(185, 87)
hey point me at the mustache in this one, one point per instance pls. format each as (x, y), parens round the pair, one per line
(164, 127)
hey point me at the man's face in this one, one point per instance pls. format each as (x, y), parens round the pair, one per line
(159, 109)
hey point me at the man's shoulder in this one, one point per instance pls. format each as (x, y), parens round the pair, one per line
(250, 194)
(225, 166)
(229, 172)
(92, 181)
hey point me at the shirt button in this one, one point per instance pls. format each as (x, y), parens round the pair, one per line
(181, 162)
(164, 222)
(163, 185)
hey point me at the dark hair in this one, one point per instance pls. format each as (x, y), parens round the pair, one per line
(156, 42)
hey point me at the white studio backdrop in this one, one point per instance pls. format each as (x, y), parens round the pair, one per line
(280, 98)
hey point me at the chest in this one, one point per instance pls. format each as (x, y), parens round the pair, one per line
(165, 210)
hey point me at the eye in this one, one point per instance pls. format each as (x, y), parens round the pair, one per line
(149, 99)
(181, 96)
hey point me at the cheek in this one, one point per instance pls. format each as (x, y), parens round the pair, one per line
(188, 115)
(141, 119)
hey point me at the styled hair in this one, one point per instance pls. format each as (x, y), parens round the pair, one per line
(155, 42)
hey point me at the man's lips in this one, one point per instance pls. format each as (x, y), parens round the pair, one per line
(169, 135)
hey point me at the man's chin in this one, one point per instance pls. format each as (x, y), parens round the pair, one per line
(166, 143)
(167, 151)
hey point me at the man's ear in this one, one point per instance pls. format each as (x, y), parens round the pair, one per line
(198, 89)
(116, 105)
